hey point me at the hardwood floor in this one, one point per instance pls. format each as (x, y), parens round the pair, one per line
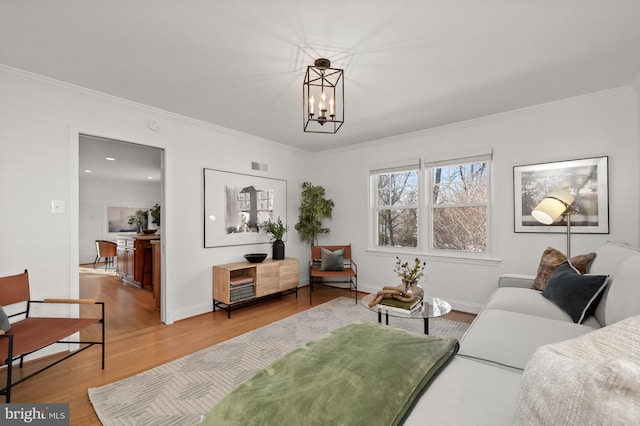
(137, 341)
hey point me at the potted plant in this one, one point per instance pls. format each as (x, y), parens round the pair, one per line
(410, 275)
(313, 208)
(139, 219)
(276, 231)
(155, 215)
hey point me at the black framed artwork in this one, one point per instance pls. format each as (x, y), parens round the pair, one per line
(586, 179)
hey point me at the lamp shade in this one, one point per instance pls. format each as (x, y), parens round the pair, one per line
(553, 206)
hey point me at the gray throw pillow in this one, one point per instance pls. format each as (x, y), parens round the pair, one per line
(5, 325)
(332, 260)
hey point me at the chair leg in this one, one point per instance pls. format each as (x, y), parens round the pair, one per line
(108, 261)
(355, 285)
(95, 262)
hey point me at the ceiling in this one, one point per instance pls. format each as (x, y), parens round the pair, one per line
(409, 65)
(105, 159)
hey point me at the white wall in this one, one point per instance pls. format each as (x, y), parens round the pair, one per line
(600, 124)
(40, 121)
(39, 125)
(96, 196)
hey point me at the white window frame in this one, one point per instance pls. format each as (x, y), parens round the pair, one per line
(425, 169)
(399, 166)
(485, 155)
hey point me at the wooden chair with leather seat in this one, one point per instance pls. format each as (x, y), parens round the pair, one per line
(28, 334)
(332, 268)
(106, 250)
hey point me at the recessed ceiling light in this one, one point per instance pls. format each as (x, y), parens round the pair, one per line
(88, 171)
(110, 159)
(149, 177)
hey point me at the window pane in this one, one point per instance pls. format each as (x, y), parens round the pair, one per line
(460, 228)
(398, 189)
(460, 184)
(398, 228)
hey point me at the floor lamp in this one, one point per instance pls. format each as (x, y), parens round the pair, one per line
(557, 203)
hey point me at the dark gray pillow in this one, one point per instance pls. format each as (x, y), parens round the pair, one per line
(332, 260)
(577, 294)
(5, 325)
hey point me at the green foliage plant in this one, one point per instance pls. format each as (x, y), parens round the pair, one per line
(276, 229)
(139, 218)
(155, 214)
(313, 208)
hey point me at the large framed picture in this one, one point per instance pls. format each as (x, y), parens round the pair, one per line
(236, 204)
(586, 179)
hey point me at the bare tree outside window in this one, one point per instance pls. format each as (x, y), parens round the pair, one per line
(451, 218)
(397, 209)
(459, 206)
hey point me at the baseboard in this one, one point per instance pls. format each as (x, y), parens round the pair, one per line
(191, 311)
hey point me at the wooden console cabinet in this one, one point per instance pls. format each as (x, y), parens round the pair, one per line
(237, 283)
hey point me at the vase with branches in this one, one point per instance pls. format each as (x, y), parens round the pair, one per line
(410, 275)
(139, 219)
(276, 231)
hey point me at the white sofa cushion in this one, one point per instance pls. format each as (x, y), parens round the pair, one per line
(623, 299)
(526, 301)
(511, 338)
(468, 392)
(609, 257)
(593, 379)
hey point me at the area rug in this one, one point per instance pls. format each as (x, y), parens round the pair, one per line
(182, 391)
(98, 271)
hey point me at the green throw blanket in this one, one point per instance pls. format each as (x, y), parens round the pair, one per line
(360, 374)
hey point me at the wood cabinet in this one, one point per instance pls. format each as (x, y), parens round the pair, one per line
(133, 266)
(126, 251)
(157, 271)
(236, 283)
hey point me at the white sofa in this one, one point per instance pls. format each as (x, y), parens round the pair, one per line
(504, 367)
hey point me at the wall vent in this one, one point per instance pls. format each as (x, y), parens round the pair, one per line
(258, 166)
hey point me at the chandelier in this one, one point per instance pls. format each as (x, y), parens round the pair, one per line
(323, 98)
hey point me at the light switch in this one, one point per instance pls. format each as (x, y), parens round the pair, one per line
(57, 206)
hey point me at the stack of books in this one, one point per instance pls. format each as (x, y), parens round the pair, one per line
(241, 289)
(396, 305)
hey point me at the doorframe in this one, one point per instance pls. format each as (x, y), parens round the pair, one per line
(74, 208)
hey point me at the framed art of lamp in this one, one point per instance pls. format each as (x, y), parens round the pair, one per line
(557, 203)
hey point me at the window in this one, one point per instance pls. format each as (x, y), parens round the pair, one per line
(453, 216)
(459, 206)
(396, 205)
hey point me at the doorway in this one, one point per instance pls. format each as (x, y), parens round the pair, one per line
(118, 182)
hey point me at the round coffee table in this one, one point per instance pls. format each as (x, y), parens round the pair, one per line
(432, 307)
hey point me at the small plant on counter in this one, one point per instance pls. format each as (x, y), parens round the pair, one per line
(155, 214)
(139, 219)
